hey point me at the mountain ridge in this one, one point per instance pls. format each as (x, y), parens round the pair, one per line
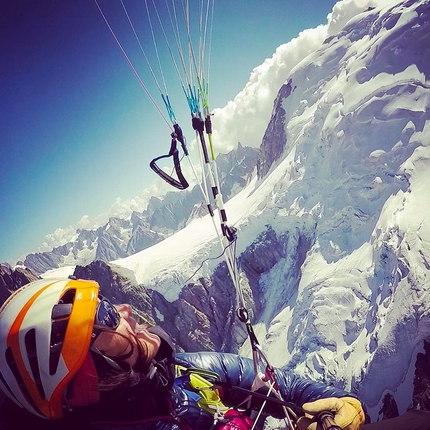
(119, 237)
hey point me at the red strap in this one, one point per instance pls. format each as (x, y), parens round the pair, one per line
(85, 390)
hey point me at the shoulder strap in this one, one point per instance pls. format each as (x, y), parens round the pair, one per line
(162, 366)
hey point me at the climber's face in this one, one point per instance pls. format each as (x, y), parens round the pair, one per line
(130, 332)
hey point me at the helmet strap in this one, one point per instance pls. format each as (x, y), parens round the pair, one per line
(112, 363)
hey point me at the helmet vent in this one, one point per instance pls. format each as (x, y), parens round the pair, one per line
(30, 344)
(10, 359)
(6, 386)
(60, 318)
(57, 336)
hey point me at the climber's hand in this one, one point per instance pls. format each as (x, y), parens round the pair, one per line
(347, 411)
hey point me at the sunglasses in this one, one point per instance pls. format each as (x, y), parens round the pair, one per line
(106, 316)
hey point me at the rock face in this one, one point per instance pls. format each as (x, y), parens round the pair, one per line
(421, 396)
(274, 140)
(43, 261)
(286, 251)
(196, 320)
(421, 391)
(12, 279)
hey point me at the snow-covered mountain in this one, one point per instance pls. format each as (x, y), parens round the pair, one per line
(163, 216)
(334, 232)
(333, 236)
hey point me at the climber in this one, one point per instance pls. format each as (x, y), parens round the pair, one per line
(68, 355)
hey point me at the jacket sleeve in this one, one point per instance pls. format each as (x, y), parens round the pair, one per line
(238, 371)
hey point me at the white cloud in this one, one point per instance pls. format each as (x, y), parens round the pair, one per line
(58, 238)
(84, 222)
(245, 118)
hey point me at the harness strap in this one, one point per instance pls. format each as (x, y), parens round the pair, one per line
(180, 183)
(202, 385)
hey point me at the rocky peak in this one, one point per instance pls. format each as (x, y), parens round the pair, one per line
(274, 139)
(12, 279)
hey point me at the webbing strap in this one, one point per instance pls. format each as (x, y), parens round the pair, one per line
(180, 183)
(204, 383)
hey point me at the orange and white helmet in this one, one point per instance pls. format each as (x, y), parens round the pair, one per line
(45, 334)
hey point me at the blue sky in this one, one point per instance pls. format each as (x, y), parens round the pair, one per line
(77, 131)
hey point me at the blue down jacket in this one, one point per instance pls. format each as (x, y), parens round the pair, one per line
(234, 371)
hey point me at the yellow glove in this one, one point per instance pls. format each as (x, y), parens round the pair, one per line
(348, 413)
